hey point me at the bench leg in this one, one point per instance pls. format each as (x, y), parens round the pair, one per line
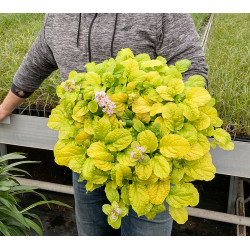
(233, 190)
(3, 149)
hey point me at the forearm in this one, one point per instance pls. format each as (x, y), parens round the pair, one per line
(10, 102)
(178, 39)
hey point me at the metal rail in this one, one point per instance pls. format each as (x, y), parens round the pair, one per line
(218, 216)
(207, 32)
(49, 186)
(195, 212)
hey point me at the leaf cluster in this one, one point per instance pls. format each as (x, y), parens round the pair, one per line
(156, 137)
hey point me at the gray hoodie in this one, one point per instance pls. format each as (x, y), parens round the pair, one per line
(68, 41)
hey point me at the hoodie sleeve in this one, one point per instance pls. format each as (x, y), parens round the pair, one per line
(37, 65)
(178, 39)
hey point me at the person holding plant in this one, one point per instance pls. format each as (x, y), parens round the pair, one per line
(67, 42)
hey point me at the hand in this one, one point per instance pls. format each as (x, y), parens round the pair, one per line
(3, 112)
(10, 102)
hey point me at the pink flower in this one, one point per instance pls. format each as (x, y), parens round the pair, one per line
(118, 211)
(99, 95)
(110, 112)
(104, 101)
(141, 158)
(132, 154)
(141, 149)
(137, 153)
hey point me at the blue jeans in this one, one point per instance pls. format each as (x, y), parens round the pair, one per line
(91, 221)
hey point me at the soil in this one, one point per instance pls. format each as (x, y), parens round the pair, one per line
(60, 220)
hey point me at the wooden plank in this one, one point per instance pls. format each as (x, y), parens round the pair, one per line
(32, 131)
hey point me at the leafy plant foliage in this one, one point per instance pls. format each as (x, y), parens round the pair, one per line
(13, 221)
(133, 125)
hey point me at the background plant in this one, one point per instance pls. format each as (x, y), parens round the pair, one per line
(14, 220)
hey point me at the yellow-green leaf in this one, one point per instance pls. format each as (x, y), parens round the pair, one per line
(182, 65)
(125, 194)
(180, 196)
(201, 169)
(93, 106)
(63, 156)
(189, 132)
(202, 122)
(111, 193)
(119, 99)
(210, 112)
(148, 141)
(103, 164)
(198, 95)
(76, 164)
(156, 109)
(222, 136)
(93, 174)
(141, 105)
(167, 93)
(80, 109)
(177, 85)
(180, 215)
(173, 117)
(82, 137)
(176, 175)
(160, 166)
(218, 122)
(122, 173)
(118, 139)
(158, 191)
(143, 171)
(138, 125)
(151, 63)
(228, 146)
(97, 150)
(195, 153)
(56, 118)
(93, 79)
(174, 146)
(124, 158)
(101, 128)
(190, 110)
(139, 197)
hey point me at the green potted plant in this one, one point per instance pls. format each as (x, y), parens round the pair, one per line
(15, 221)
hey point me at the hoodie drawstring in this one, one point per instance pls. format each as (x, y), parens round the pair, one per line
(78, 32)
(89, 35)
(113, 37)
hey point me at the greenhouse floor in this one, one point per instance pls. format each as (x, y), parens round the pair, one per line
(60, 221)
